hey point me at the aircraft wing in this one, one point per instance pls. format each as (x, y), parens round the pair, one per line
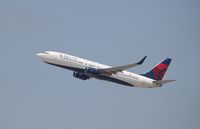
(114, 70)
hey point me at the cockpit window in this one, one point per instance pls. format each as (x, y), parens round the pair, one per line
(45, 52)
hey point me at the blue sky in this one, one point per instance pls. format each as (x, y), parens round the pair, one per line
(35, 95)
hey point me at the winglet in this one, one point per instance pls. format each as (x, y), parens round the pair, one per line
(142, 60)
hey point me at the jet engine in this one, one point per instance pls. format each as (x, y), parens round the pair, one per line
(92, 71)
(80, 76)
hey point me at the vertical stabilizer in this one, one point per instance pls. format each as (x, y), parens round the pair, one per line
(158, 72)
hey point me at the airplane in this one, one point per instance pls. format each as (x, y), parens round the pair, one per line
(85, 69)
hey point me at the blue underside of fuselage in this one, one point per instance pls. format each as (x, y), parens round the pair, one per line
(107, 78)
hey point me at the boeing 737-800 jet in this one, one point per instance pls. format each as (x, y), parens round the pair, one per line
(85, 69)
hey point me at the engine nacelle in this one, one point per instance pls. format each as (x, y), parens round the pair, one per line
(92, 71)
(80, 76)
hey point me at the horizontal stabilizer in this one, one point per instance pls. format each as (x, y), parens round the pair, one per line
(161, 82)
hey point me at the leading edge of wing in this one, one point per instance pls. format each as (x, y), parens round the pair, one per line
(114, 70)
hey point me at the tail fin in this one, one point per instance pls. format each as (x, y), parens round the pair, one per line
(159, 70)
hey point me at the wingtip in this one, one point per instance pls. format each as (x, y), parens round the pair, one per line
(142, 60)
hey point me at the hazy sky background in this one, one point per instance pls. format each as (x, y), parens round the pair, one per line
(34, 95)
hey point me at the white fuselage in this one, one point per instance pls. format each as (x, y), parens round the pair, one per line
(76, 63)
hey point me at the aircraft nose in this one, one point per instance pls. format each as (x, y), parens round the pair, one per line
(39, 55)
